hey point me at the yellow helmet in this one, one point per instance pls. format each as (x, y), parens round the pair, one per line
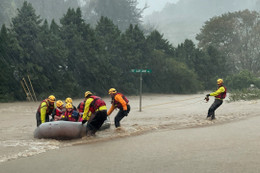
(87, 93)
(69, 106)
(59, 103)
(220, 81)
(68, 100)
(51, 98)
(112, 91)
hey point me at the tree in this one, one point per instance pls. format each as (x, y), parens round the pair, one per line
(170, 76)
(134, 54)
(80, 40)
(108, 36)
(156, 41)
(26, 28)
(121, 12)
(49, 9)
(208, 64)
(237, 36)
(9, 86)
(242, 80)
(7, 11)
(53, 49)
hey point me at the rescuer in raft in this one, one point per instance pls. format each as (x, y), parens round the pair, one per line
(95, 113)
(69, 100)
(70, 114)
(58, 111)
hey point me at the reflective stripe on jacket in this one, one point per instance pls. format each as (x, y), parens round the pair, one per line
(92, 105)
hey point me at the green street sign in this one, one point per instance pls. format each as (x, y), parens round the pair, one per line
(141, 70)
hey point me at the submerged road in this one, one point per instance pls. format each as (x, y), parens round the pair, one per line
(226, 148)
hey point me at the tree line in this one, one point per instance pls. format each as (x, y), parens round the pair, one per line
(68, 58)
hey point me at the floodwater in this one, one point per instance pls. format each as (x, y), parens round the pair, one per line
(159, 113)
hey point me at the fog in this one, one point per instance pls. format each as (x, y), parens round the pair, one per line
(184, 19)
(153, 5)
(176, 19)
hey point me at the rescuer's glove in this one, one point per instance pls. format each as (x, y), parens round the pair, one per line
(207, 98)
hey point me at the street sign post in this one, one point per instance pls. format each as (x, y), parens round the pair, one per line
(141, 71)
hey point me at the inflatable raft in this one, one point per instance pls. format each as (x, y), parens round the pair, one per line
(64, 129)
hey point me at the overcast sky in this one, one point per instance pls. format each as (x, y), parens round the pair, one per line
(154, 5)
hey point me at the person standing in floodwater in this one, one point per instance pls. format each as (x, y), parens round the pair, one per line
(121, 102)
(44, 110)
(220, 95)
(95, 113)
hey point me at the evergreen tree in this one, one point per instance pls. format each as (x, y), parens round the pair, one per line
(81, 42)
(207, 64)
(55, 53)
(170, 76)
(121, 12)
(156, 41)
(134, 55)
(26, 27)
(7, 11)
(109, 37)
(49, 9)
(10, 88)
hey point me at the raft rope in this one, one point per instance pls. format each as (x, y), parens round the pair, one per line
(176, 101)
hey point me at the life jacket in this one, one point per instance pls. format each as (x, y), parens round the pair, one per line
(222, 95)
(49, 107)
(70, 116)
(81, 106)
(118, 104)
(58, 112)
(96, 103)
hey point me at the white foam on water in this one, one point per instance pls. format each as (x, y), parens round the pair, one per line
(162, 112)
(27, 147)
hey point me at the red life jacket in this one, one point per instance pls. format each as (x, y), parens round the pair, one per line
(96, 103)
(118, 104)
(81, 106)
(68, 116)
(58, 112)
(49, 107)
(222, 95)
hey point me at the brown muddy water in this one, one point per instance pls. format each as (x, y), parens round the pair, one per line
(159, 113)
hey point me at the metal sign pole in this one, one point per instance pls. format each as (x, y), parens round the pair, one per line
(140, 102)
(141, 83)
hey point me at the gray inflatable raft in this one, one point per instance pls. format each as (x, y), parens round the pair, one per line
(64, 129)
